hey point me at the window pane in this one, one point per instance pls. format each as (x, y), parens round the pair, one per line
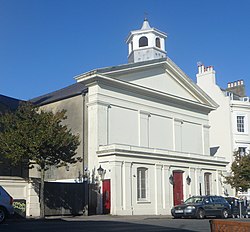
(138, 184)
(242, 150)
(207, 177)
(240, 123)
(143, 41)
(157, 43)
(141, 183)
(143, 193)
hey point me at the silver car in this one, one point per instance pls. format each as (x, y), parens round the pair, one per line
(6, 204)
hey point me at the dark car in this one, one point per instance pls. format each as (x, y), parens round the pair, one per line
(202, 206)
(238, 206)
(6, 204)
(248, 211)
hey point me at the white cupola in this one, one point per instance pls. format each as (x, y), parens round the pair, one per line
(146, 44)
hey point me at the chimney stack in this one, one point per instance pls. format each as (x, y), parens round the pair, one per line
(205, 74)
(237, 87)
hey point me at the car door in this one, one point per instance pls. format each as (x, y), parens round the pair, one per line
(208, 206)
(218, 206)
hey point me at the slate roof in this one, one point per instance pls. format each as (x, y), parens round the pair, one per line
(122, 67)
(8, 103)
(69, 91)
(78, 88)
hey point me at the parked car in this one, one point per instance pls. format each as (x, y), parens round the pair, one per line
(6, 204)
(237, 205)
(248, 210)
(202, 206)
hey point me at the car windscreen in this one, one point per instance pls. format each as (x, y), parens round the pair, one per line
(194, 200)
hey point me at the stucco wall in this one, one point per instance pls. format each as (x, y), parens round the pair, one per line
(74, 121)
(146, 122)
(240, 139)
(157, 79)
(21, 189)
(219, 119)
(121, 168)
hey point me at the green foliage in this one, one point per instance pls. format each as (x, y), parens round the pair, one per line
(38, 136)
(240, 172)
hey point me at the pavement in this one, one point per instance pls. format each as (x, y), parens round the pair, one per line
(114, 217)
(103, 217)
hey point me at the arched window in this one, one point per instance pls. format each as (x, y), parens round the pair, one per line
(207, 183)
(142, 184)
(143, 41)
(158, 42)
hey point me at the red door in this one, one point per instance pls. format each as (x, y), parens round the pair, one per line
(178, 187)
(106, 196)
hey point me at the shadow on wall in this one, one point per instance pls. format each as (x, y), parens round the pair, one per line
(8, 169)
(213, 150)
(65, 198)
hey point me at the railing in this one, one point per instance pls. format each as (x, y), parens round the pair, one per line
(240, 208)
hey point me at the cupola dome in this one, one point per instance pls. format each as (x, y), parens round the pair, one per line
(146, 44)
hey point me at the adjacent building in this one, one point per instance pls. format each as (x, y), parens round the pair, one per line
(230, 122)
(15, 179)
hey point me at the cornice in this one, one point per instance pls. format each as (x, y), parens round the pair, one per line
(147, 153)
(154, 94)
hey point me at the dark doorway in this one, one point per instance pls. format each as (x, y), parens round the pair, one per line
(92, 198)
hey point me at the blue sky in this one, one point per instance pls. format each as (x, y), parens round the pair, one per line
(45, 43)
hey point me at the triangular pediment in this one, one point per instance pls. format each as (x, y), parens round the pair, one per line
(165, 77)
(160, 76)
(159, 80)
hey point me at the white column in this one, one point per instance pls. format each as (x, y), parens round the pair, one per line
(116, 187)
(198, 181)
(178, 134)
(217, 182)
(168, 189)
(205, 139)
(126, 188)
(144, 128)
(158, 189)
(193, 182)
(32, 204)
(97, 130)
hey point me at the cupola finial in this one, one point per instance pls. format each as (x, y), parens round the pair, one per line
(145, 25)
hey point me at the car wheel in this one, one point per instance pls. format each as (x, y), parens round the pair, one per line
(2, 214)
(224, 213)
(200, 214)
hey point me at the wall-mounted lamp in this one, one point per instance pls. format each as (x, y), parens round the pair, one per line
(188, 180)
(101, 172)
(226, 192)
(171, 179)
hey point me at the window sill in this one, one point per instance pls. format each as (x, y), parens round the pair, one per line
(143, 202)
(241, 133)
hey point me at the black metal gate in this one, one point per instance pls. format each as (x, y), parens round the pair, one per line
(65, 198)
(92, 198)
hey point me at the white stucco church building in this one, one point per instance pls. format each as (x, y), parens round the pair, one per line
(146, 125)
